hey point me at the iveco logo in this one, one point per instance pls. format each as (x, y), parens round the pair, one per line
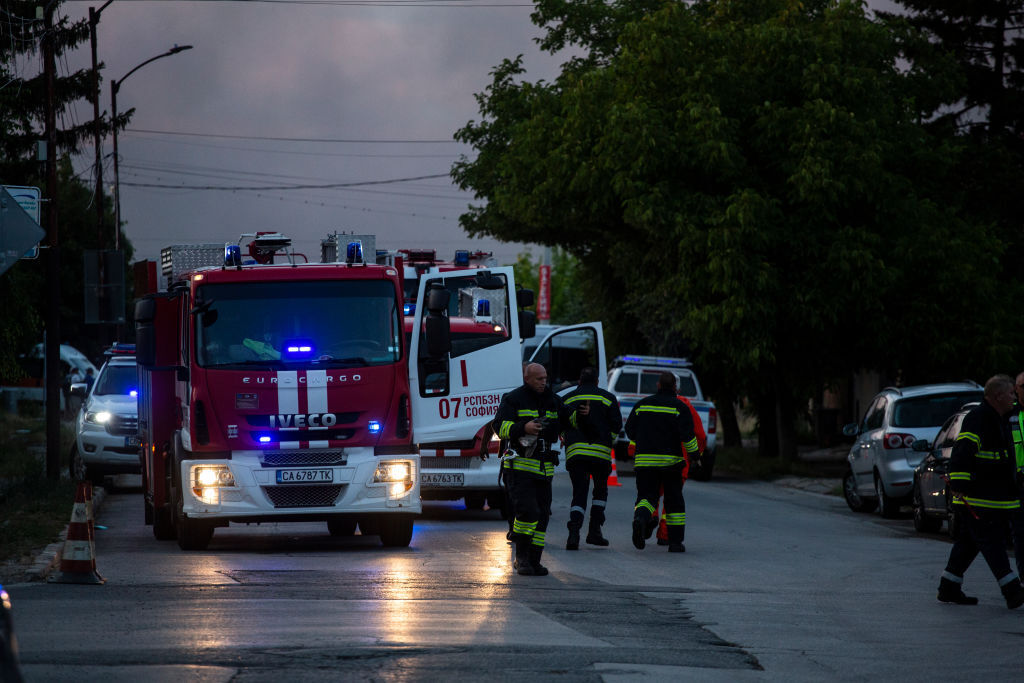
(302, 380)
(311, 420)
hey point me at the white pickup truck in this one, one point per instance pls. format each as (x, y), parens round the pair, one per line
(634, 377)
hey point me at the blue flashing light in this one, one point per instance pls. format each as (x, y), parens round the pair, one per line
(134, 393)
(232, 255)
(354, 252)
(461, 257)
(483, 307)
(299, 349)
(264, 439)
(374, 426)
(408, 309)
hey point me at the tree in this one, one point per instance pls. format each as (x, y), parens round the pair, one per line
(568, 300)
(23, 106)
(752, 176)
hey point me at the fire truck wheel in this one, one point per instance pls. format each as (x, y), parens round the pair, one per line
(475, 501)
(341, 527)
(192, 535)
(163, 525)
(396, 531)
(369, 526)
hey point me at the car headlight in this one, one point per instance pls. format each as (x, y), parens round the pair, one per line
(398, 474)
(207, 480)
(100, 417)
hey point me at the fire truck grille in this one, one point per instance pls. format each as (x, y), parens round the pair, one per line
(448, 462)
(303, 496)
(298, 458)
(120, 425)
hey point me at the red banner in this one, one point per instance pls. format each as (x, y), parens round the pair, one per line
(544, 295)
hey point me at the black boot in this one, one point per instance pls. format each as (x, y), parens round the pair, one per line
(574, 536)
(522, 563)
(538, 569)
(639, 531)
(594, 536)
(1014, 593)
(675, 539)
(950, 591)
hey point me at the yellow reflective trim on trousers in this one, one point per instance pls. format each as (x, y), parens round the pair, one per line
(527, 528)
(969, 436)
(643, 504)
(675, 519)
(531, 465)
(503, 429)
(656, 460)
(538, 538)
(588, 397)
(657, 409)
(989, 504)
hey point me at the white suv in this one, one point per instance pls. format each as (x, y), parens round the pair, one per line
(882, 462)
(107, 440)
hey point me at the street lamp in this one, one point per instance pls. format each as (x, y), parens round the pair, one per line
(114, 87)
(94, 18)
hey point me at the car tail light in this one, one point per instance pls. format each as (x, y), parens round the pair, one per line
(712, 421)
(897, 440)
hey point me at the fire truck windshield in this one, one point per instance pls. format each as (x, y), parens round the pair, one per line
(341, 323)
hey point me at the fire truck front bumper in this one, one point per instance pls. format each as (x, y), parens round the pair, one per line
(245, 488)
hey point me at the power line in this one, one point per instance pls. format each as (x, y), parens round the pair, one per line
(285, 187)
(287, 139)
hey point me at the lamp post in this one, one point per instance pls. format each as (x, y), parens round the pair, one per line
(114, 87)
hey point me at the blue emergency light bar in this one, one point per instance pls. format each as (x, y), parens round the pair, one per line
(483, 307)
(656, 361)
(299, 349)
(354, 253)
(232, 255)
(461, 257)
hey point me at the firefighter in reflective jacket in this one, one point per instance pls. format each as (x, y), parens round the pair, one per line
(1017, 431)
(662, 430)
(588, 453)
(531, 418)
(981, 478)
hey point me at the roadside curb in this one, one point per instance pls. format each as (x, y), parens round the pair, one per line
(49, 558)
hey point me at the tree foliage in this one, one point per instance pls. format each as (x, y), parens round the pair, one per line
(751, 177)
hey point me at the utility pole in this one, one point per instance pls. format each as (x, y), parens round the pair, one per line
(94, 18)
(51, 348)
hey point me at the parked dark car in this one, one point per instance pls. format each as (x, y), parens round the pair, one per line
(931, 498)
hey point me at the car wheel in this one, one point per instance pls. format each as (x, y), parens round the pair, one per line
(475, 501)
(854, 500)
(922, 522)
(341, 527)
(888, 506)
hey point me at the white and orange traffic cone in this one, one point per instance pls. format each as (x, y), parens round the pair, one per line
(613, 478)
(78, 559)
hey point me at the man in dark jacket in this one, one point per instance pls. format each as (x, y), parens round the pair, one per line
(530, 419)
(981, 477)
(588, 453)
(661, 429)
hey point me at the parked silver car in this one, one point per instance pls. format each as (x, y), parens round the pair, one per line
(932, 500)
(882, 460)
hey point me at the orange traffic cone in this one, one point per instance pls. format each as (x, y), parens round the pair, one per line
(613, 478)
(78, 559)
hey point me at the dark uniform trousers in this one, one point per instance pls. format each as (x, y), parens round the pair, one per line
(531, 500)
(986, 535)
(649, 483)
(581, 469)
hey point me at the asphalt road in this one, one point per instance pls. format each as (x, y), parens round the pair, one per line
(776, 584)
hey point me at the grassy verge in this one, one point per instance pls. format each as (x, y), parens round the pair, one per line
(746, 463)
(33, 509)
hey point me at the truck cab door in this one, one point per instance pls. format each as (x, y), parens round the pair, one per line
(567, 350)
(455, 395)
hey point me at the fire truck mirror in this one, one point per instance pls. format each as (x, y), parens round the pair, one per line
(437, 298)
(527, 324)
(524, 298)
(438, 334)
(485, 280)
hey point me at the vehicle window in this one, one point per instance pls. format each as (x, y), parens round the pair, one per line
(347, 323)
(119, 380)
(943, 437)
(876, 415)
(565, 354)
(685, 386)
(649, 381)
(928, 411)
(948, 437)
(625, 383)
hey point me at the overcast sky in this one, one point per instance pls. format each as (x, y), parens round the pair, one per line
(379, 87)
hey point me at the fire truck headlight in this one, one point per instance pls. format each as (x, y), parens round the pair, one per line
(398, 474)
(98, 418)
(207, 480)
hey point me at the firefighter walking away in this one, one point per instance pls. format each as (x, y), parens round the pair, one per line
(588, 454)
